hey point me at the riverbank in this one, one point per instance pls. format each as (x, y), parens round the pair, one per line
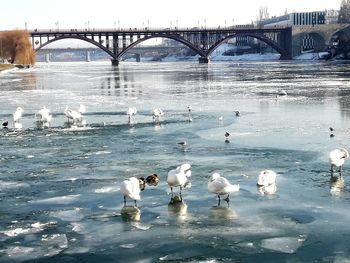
(6, 66)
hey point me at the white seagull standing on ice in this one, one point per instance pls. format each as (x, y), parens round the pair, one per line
(131, 188)
(44, 117)
(157, 114)
(131, 112)
(17, 115)
(221, 186)
(179, 177)
(337, 158)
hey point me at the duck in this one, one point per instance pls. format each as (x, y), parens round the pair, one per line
(337, 158)
(152, 179)
(5, 124)
(219, 185)
(131, 188)
(179, 177)
(227, 135)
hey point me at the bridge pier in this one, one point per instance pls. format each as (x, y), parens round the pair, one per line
(115, 62)
(203, 60)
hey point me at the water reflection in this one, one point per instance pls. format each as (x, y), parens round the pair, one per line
(130, 214)
(177, 208)
(121, 83)
(337, 185)
(267, 190)
(222, 213)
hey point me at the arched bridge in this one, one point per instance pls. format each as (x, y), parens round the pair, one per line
(202, 41)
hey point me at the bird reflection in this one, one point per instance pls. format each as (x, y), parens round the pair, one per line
(222, 212)
(177, 208)
(130, 214)
(337, 185)
(267, 190)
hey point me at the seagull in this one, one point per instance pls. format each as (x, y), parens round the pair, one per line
(5, 124)
(152, 179)
(282, 93)
(221, 118)
(44, 117)
(17, 115)
(221, 186)
(179, 177)
(189, 108)
(82, 108)
(183, 145)
(157, 113)
(226, 136)
(337, 158)
(131, 112)
(131, 188)
(266, 178)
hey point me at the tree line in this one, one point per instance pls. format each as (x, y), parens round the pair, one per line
(15, 47)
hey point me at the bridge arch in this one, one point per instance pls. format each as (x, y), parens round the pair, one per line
(263, 38)
(176, 38)
(80, 38)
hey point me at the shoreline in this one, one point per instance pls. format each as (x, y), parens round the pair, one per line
(6, 67)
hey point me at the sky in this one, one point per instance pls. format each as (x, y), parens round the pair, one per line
(69, 14)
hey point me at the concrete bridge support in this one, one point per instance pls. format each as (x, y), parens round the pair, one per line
(203, 60)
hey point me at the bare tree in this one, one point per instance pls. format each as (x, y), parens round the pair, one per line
(344, 12)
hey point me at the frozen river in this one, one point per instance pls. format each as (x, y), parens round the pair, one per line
(60, 197)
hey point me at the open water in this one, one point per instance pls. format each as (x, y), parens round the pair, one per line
(59, 186)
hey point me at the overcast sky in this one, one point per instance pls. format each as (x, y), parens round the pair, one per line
(45, 14)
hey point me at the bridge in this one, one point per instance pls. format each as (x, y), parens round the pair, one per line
(203, 41)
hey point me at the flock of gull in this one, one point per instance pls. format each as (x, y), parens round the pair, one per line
(180, 176)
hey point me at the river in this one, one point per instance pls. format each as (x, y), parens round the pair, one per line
(60, 197)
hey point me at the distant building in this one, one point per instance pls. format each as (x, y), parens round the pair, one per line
(294, 19)
(332, 16)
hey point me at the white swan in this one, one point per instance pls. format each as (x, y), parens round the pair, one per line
(221, 186)
(337, 158)
(179, 177)
(44, 117)
(131, 188)
(266, 178)
(74, 115)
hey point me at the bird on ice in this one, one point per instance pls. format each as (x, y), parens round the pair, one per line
(44, 117)
(266, 178)
(17, 115)
(131, 188)
(157, 114)
(131, 112)
(74, 115)
(5, 124)
(179, 177)
(227, 135)
(189, 108)
(152, 179)
(221, 186)
(337, 158)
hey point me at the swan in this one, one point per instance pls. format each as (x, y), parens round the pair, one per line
(221, 186)
(337, 158)
(43, 116)
(179, 177)
(131, 112)
(74, 115)
(266, 178)
(131, 188)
